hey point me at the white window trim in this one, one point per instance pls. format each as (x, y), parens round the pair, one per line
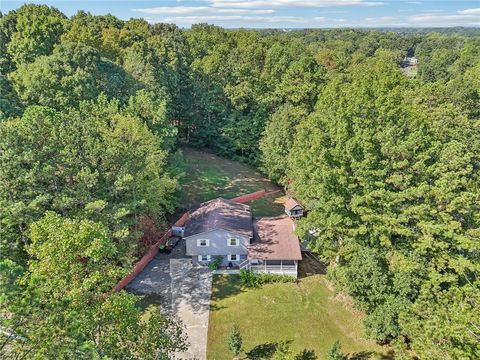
(230, 257)
(237, 242)
(200, 258)
(207, 241)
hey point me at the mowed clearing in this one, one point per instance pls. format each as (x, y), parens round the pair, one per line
(306, 314)
(209, 176)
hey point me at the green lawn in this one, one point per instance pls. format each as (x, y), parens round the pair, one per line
(209, 176)
(306, 314)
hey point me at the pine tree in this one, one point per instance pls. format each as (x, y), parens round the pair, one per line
(335, 352)
(235, 340)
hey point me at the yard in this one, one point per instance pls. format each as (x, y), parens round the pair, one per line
(306, 314)
(209, 176)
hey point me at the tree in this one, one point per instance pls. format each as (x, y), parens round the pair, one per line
(37, 29)
(61, 307)
(9, 102)
(335, 352)
(390, 187)
(74, 72)
(277, 141)
(99, 162)
(235, 340)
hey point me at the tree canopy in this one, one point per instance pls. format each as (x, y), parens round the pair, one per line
(385, 161)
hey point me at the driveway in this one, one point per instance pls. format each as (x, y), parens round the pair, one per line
(183, 291)
(191, 290)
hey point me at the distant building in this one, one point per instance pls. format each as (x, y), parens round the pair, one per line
(410, 61)
(293, 208)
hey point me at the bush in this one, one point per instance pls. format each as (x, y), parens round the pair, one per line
(251, 279)
(215, 264)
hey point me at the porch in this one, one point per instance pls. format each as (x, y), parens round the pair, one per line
(279, 267)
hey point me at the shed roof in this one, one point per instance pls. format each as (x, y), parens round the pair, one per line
(274, 239)
(219, 214)
(291, 203)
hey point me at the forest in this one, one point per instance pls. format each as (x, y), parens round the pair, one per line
(93, 110)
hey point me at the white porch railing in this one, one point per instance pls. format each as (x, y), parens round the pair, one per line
(273, 267)
(244, 264)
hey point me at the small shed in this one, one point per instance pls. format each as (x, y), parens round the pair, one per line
(293, 208)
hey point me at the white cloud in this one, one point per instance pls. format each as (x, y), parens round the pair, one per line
(470, 12)
(276, 14)
(291, 3)
(199, 10)
(247, 21)
(468, 17)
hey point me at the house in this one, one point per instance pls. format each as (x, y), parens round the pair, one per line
(410, 61)
(293, 208)
(275, 248)
(224, 230)
(218, 229)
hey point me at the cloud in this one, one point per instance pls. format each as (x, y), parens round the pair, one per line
(470, 12)
(198, 10)
(291, 3)
(247, 21)
(468, 17)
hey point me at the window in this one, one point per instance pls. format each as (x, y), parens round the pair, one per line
(203, 257)
(203, 242)
(233, 257)
(233, 242)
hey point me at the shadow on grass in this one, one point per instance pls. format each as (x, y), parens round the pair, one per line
(362, 355)
(268, 350)
(365, 355)
(224, 286)
(262, 351)
(306, 355)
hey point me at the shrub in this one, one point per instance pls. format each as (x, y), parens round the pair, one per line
(215, 264)
(251, 279)
(248, 278)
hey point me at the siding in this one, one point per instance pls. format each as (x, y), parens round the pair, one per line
(225, 260)
(218, 244)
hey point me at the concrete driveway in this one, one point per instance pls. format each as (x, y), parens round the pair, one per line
(183, 291)
(191, 290)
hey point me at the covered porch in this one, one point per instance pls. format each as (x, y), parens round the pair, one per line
(280, 267)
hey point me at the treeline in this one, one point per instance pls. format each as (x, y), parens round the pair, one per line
(92, 109)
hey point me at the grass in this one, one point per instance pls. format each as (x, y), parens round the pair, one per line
(307, 315)
(209, 176)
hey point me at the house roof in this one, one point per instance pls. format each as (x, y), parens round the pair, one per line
(219, 214)
(274, 239)
(291, 203)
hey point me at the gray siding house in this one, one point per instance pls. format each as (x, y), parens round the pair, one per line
(219, 229)
(224, 230)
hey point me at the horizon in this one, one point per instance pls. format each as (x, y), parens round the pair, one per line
(281, 14)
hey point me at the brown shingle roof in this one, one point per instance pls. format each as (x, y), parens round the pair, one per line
(291, 203)
(274, 240)
(219, 214)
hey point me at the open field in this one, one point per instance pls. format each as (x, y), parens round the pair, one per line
(209, 176)
(305, 314)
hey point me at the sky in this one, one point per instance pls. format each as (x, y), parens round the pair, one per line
(281, 13)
